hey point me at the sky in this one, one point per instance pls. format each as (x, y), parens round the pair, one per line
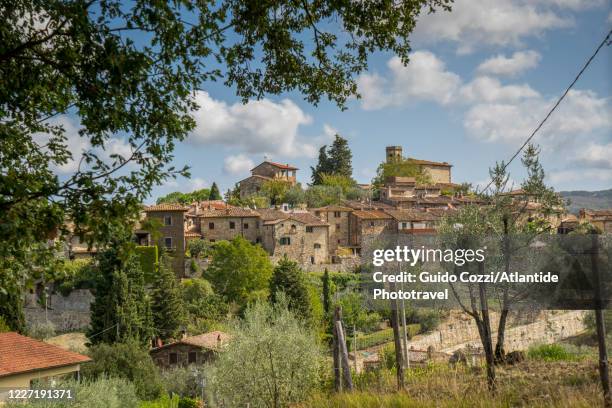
(480, 79)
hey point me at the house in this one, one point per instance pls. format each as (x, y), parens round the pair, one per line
(366, 224)
(217, 225)
(414, 221)
(337, 216)
(25, 362)
(439, 172)
(198, 349)
(600, 219)
(266, 171)
(300, 236)
(170, 220)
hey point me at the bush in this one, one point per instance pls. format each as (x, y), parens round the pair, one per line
(201, 302)
(380, 337)
(272, 360)
(187, 403)
(550, 352)
(75, 274)
(3, 326)
(149, 261)
(164, 402)
(41, 331)
(183, 381)
(100, 393)
(125, 360)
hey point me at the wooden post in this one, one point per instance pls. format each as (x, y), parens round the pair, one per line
(599, 323)
(395, 320)
(336, 352)
(346, 368)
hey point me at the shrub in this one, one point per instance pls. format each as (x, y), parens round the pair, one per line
(197, 247)
(164, 402)
(550, 352)
(75, 274)
(3, 326)
(41, 331)
(183, 381)
(380, 337)
(125, 360)
(272, 360)
(186, 402)
(149, 261)
(100, 393)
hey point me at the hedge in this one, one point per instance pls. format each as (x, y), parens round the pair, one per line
(148, 261)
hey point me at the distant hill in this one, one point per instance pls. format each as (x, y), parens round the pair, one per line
(588, 199)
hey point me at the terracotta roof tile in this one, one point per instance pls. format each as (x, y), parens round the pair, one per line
(211, 340)
(166, 207)
(411, 215)
(279, 165)
(20, 354)
(307, 219)
(228, 212)
(371, 215)
(427, 162)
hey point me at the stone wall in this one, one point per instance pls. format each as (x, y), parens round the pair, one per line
(176, 231)
(542, 328)
(244, 226)
(67, 313)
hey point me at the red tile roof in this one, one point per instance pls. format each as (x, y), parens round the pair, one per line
(280, 166)
(411, 215)
(371, 215)
(228, 212)
(19, 354)
(430, 163)
(212, 340)
(166, 207)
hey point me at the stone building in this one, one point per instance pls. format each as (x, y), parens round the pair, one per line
(266, 171)
(217, 225)
(198, 349)
(413, 221)
(440, 172)
(600, 219)
(171, 221)
(337, 217)
(299, 235)
(368, 223)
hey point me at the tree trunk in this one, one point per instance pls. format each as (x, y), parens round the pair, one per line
(487, 340)
(600, 325)
(395, 323)
(346, 368)
(500, 352)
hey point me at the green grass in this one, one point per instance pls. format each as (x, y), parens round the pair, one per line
(551, 352)
(380, 337)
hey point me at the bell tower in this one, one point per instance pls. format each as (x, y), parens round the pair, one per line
(394, 153)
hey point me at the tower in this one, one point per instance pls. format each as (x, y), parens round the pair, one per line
(394, 153)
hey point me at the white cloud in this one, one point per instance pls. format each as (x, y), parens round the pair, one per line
(568, 176)
(491, 22)
(196, 183)
(594, 155)
(256, 127)
(518, 62)
(237, 164)
(487, 89)
(610, 17)
(581, 113)
(425, 78)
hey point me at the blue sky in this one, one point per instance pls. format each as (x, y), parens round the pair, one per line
(479, 80)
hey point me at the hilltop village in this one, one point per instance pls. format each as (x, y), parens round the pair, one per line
(330, 236)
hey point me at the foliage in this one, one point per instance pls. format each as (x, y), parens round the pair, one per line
(177, 197)
(183, 381)
(42, 330)
(380, 337)
(201, 303)
(288, 279)
(121, 309)
(74, 274)
(167, 304)
(102, 392)
(165, 401)
(149, 261)
(197, 247)
(398, 168)
(125, 360)
(550, 352)
(355, 315)
(3, 326)
(272, 361)
(326, 291)
(275, 190)
(333, 161)
(239, 271)
(187, 402)
(335, 180)
(214, 192)
(427, 319)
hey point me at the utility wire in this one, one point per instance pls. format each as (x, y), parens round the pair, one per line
(604, 42)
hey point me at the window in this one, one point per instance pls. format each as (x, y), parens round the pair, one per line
(312, 260)
(318, 213)
(256, 224)
(246, 225)
(293, 228)
(338, 241)
(212, 240)
(173, 358)
(371, 223)
(168, 242)
(192, 357)
(337, 227)
(337, 214)
(167, 220)
(232, 225)
(309, 229)
(317, 246)
(211, 225)
(258, 240)
(285, 241)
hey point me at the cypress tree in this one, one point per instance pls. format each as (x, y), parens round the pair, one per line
(289, 279)
(323, 166)
(121, 310)
(335, 160)
(214, 192)
(326, 292)
(167, 303)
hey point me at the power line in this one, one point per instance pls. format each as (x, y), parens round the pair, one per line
(604, 42)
